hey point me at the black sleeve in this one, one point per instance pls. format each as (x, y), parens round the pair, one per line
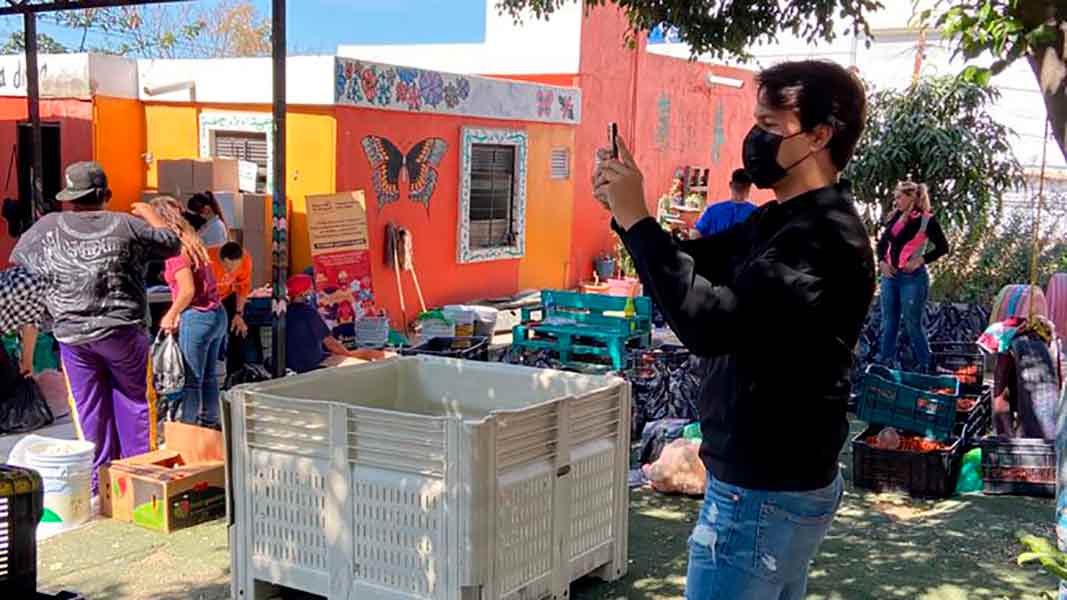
(883, 242)
(936, 236)
(716, 252)
(710, 318)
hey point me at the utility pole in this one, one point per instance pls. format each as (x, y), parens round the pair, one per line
(279, 206)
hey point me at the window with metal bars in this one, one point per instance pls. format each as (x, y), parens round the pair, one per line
(243, 145)
(492, 196)
(560, 163)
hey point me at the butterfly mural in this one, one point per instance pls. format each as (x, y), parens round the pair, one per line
(566, 107)
(544, 102)
(389, 166)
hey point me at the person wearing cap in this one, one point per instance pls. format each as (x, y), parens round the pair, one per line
(721, 216)
(93, 262)
(308, 343)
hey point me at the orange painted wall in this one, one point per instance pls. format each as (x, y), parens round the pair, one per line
(435, 232)
(173, 131)
(561, 79)
(666, 113)
(118, 145)
(549, 211)
(76, 143)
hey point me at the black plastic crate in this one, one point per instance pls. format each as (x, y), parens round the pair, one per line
(1018, 466)
(964, 360)
(974, 423)
(467, 348)
(21, 507)
(920, 474)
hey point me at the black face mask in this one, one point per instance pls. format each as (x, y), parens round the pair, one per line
(760, 156)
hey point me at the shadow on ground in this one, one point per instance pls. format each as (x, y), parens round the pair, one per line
(880, 546)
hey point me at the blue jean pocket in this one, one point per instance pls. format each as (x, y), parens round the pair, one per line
(788, 538)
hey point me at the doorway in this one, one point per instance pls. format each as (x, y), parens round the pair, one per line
(52, 178)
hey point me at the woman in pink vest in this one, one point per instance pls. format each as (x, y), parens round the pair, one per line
(911, 240)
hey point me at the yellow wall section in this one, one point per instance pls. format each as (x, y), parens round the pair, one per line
(311, 163)
(173, 131)
(118, 145)
(549, 208)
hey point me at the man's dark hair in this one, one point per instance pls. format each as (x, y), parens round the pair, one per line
(93, 199)
(740, 177)
(231, 251)
(820, 92)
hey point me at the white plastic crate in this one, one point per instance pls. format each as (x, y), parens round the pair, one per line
(428, 478)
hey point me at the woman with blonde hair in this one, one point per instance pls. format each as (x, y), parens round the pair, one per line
(196, 315)
(912, 238)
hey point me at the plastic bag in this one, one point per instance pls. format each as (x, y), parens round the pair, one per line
(168, 366)
(24, 409)
(679, 469)
(54, 389)
(247, 374)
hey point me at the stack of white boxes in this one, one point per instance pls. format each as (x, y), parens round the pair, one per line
(232, 182)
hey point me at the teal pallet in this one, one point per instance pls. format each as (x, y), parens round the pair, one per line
(576, 325)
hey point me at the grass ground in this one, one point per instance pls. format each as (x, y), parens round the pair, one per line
(881, 546)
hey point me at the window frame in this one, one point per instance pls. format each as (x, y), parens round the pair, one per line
(211, 121)
(517, 138)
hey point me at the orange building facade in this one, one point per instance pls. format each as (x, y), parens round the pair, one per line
(357, 126)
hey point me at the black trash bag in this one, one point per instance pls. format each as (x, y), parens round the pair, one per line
(665, 383)
(248, 373)
(944, 322)
(1036, 388)
(24, 409)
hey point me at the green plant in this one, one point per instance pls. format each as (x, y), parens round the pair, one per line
(626, 262)
(939, 132)
(1008, 30)
(1044, 552)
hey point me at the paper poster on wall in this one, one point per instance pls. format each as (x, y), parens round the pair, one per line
(340, 255)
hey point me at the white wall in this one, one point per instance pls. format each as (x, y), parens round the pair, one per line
(535, 47)
(310, 80)
(62, 75)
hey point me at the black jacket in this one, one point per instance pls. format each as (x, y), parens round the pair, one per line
(894, 244)
(777, 304)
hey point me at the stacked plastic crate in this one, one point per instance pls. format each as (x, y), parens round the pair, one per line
(919, 426)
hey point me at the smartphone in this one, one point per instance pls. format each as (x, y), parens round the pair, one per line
(613, 135)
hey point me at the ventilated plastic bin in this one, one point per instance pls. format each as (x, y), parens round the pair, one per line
(429, 478)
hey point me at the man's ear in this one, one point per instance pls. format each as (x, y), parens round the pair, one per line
(823, 133)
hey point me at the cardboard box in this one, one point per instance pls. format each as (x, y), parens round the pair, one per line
(247, 174)
(229, 202)
(176, 177)
(169, 489)
(216, 175)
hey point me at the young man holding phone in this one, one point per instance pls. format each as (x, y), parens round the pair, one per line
(776, 304)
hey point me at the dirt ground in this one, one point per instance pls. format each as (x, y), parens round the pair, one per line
(881, 546)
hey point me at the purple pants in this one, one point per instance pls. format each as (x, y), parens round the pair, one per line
(108, 380)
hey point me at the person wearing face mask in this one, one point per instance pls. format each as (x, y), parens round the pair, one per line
(912, 239)
(776, 305)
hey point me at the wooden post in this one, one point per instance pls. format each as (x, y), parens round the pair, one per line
(41, 206)
(280, 237)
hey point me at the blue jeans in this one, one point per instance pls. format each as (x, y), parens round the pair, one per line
(904, 299)
(201, 335)
(757, 545)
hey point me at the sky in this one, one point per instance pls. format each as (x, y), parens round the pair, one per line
(319, 26)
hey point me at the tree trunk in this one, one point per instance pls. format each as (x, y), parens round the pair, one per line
(1050, 68)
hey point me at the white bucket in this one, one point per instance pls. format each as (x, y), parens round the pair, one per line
(66, 466)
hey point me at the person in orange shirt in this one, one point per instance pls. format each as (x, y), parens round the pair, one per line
(233, 276)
